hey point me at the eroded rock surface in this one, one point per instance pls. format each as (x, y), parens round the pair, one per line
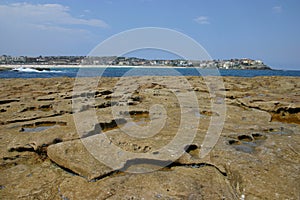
(62, 138)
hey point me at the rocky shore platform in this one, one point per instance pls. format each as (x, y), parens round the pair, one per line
(66, 138)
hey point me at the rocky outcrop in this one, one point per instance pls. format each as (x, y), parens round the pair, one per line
(122, 128)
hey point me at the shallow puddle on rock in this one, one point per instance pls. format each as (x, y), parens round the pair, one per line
(280, 131)
(198, 115)
(138, 122)
(36, 129)
(244, 148)
(247, 143)
(205, 113)
(138, 118)
(41, 126)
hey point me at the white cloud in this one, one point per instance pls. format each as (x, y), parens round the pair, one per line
(277, 9)
(202, 20)
(44, 14)
(47, 29)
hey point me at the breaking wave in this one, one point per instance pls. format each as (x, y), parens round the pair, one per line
(35, 70)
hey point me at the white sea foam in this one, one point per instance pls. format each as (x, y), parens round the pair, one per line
(28, 69)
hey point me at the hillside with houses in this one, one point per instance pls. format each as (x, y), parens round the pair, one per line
(244, 63)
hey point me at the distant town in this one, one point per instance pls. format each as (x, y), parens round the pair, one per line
(244, 63)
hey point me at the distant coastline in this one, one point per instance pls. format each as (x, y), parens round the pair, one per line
(114, 61)
(49, 67)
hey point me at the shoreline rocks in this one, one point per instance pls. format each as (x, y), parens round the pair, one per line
(50, 147)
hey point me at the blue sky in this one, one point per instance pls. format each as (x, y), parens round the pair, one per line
(259, 29)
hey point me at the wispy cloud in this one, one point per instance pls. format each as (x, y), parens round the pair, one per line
(277, 9)
(44, 14)
(202, 20)
(28, 28)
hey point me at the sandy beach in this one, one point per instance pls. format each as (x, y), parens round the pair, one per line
(66, 138)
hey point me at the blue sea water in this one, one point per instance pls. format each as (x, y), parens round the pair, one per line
(129, 71)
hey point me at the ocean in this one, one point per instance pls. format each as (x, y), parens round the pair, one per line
(131, 71)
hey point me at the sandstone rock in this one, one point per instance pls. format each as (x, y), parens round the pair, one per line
(256, 156)
(176, 183)
(73, 155)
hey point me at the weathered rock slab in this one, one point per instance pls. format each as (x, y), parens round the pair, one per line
(73, 155)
